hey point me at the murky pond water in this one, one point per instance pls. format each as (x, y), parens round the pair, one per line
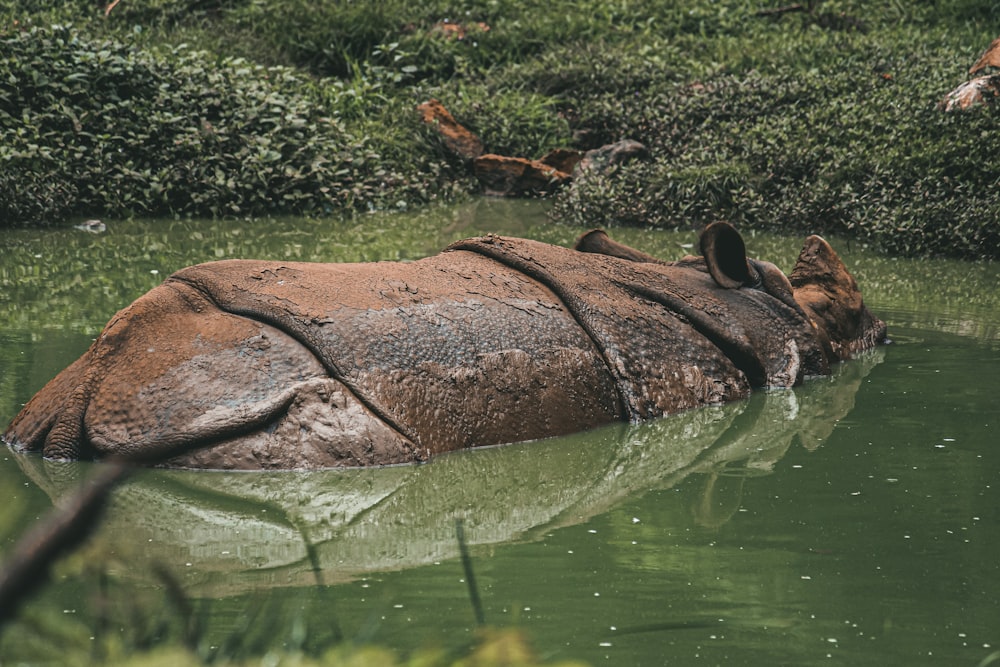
(854, 520)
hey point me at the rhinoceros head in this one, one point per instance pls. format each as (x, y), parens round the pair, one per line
(820, 286)
(829, 295)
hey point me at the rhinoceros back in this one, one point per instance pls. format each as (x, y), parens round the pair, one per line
(247, 364)
(452, 351)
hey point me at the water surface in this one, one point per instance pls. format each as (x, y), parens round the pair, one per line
(852, 521)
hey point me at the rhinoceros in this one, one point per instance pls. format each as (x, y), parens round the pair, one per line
(246, 364)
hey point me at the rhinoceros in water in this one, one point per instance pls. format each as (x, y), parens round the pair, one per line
(257, 364)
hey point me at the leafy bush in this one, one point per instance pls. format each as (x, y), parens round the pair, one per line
(822, 119)
(862, 151)
(102, 127)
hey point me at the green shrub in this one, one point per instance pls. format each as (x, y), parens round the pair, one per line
(862, 151)
(103, 128)
(823, 119)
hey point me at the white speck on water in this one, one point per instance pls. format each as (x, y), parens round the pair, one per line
(948, 439)
(605, 644)
(154, 272)
(397, 606)
(635, 519)
(592, 531)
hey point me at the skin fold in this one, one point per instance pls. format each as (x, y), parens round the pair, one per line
(245, 364)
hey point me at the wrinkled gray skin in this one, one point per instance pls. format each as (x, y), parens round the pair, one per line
(251, 364)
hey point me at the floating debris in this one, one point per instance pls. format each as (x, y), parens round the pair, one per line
(92, 226)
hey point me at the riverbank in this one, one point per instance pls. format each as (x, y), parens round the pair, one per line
(813, 118)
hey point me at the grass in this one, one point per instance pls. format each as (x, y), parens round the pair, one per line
(823, 120)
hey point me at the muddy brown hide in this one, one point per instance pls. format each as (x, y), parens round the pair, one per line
(253, 364)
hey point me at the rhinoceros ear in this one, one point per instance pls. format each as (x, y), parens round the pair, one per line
(726, 255)
(597, 241)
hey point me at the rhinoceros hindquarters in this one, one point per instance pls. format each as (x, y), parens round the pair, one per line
(58, 404)
(317, 423)
(172, 373)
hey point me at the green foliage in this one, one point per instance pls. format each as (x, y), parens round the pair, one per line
(862, 152)
(526, 125)
(493, 648)
(102, 127)
(822, 119)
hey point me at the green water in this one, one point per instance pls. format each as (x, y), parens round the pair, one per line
(852, 521)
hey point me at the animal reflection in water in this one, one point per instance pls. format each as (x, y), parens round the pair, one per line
(245, 532)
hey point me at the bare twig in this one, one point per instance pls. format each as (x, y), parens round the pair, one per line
(65, 528)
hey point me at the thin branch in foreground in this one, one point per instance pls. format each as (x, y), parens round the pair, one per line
(65, 528)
